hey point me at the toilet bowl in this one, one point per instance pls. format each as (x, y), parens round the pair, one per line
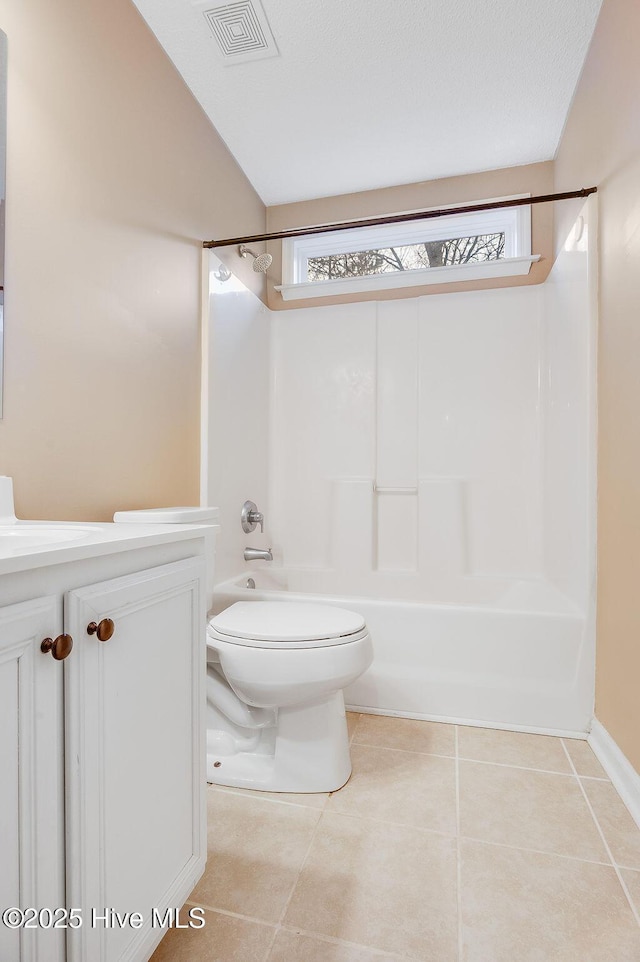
(275, 711)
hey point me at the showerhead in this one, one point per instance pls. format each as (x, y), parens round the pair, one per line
(261, 262)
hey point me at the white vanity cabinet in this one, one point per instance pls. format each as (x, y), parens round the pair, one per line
(31, 781)
(102, 795)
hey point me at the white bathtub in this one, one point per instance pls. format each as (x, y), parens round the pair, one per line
(507, 654)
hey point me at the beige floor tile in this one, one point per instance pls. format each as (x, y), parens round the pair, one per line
(314, 800)
(632, 880)
(408, 734)
(620, 830)
(386, 887)
(513, 748)
(534, 810)
(256, 848)
(222, 939)
(410, 789)
(583, 758)
(353, 718)
(525, 907)
(295, 947)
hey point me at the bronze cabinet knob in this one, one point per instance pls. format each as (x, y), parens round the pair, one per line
(60, 648)
(103, 630)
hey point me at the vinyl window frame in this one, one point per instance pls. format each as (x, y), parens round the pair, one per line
(514, 222)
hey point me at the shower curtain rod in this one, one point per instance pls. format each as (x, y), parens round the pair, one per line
(398, 218)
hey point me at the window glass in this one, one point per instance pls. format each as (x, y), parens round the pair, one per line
(410, 257)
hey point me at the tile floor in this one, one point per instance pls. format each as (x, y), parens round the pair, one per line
(448, 844)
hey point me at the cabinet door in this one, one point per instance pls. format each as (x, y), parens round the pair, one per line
(31, 786)
(135, 753)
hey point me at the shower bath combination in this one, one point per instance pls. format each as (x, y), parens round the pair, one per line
(450, 507)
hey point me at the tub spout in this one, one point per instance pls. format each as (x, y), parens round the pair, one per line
(258, 554)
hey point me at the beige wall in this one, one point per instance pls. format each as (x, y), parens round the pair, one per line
(601, 145)
(534, 179)
(114, 178)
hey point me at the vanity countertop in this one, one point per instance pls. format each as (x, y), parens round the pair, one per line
(26, 545)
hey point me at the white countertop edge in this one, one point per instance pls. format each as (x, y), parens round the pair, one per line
(106, 538)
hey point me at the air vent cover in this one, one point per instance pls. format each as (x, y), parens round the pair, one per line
(241, 29)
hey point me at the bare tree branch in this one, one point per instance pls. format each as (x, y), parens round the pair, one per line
(439, 253)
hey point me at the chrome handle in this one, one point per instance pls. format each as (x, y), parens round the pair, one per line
(256, 517)
(60, 648)
(250, 517)
(103, 630)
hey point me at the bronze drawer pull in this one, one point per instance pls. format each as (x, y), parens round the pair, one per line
(60, 648)
(103, 630)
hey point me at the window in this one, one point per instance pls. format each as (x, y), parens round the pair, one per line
(457, 247)
(411, 257)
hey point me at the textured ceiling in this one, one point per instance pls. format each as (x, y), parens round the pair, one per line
(374, 93)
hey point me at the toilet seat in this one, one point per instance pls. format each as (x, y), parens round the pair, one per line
(260, 624)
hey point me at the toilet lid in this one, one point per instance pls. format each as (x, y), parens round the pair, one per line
(286, 621)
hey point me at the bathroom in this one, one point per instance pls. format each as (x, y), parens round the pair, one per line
(427, 456)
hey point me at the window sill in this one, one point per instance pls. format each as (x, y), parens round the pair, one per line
(507, 267)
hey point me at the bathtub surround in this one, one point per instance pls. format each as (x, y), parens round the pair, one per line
(235, 412)
(422, 465)
(430, 463)
(568, 393)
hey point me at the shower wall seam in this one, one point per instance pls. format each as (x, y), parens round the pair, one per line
(375, 532)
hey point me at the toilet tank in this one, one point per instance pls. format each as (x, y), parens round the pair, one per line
(181, 515)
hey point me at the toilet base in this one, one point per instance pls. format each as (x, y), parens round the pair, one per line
(307, 751)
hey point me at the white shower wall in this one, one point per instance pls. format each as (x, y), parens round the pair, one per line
(407, 440)
(569, 401)
(235, 413)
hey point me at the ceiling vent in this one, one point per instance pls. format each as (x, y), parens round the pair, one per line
(241, 30)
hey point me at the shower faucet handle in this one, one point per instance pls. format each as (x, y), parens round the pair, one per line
(251, 517)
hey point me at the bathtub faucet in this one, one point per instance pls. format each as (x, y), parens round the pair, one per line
(258, 554)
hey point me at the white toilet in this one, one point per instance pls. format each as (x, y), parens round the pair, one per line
(275, 673)
(286, 664)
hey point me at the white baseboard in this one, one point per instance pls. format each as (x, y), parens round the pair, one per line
(624, 777)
